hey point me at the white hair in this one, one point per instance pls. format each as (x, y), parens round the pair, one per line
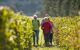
(45, 17)
(35, 16)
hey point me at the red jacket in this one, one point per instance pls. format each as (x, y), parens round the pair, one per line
(46, 27)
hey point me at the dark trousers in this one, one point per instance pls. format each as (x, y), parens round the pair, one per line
(36, 36)
(50, 38)
(46, 38)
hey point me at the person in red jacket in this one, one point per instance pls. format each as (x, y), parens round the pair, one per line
(46, 27)
(51, 32)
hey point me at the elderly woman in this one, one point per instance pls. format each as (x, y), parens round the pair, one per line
(36, 25)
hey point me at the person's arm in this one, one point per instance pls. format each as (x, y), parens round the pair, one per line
(51, 27)
(39, 23)
(32, 22)
(42, 26)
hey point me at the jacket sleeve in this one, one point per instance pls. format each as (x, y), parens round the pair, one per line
(42, 26)
(38, 22)
(32, 22)
(51, 27)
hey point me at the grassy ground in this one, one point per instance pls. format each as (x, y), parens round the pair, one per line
(45, 48)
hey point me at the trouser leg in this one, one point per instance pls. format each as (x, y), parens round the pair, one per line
(46, 38)
(37, 36)
(50, 38)
(34, 39)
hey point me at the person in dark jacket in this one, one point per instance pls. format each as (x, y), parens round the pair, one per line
(46, 27)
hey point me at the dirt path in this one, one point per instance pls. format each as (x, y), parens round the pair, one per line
(45, 48)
